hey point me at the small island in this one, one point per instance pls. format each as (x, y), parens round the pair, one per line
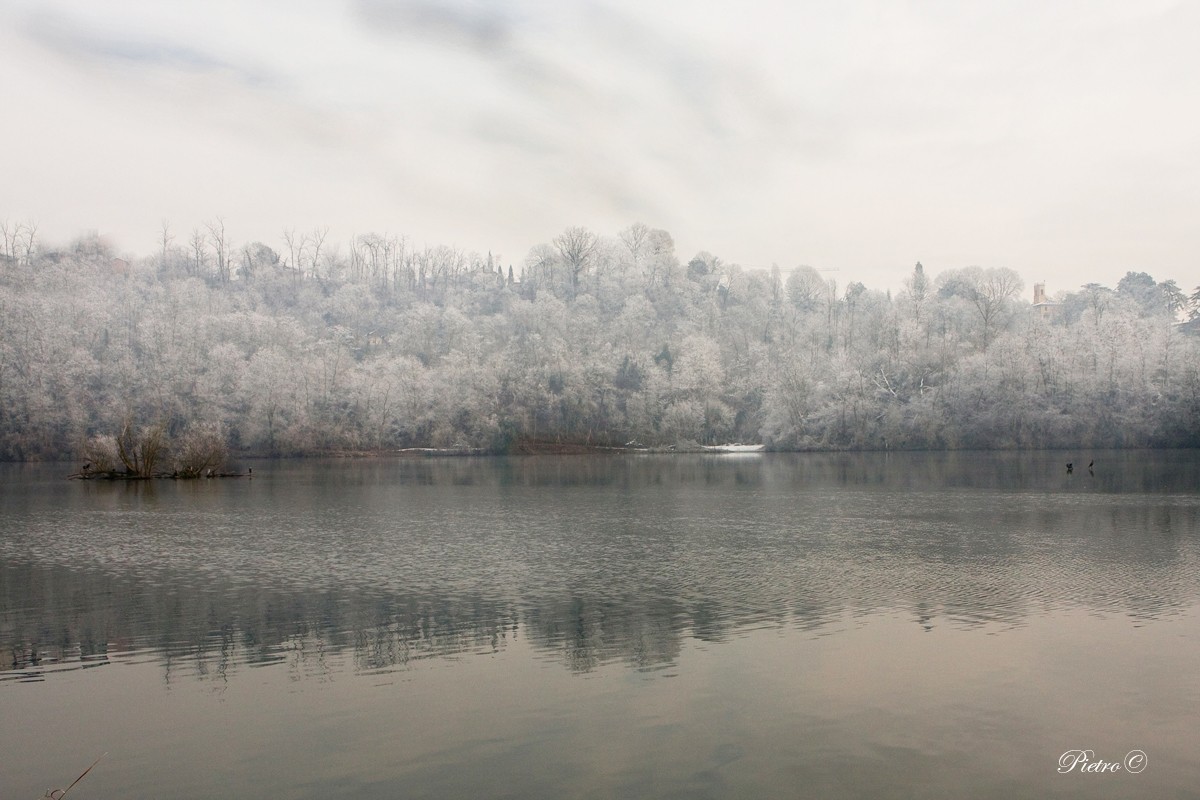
(144, 453)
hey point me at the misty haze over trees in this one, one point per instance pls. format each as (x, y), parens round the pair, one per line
(376, 344)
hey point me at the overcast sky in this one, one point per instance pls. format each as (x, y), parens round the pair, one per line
(1060, 138)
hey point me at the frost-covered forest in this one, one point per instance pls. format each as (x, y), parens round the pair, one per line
(309, 346)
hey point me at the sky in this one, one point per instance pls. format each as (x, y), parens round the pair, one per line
(1059, 138)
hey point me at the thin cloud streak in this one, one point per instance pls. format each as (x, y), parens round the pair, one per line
(88, 48)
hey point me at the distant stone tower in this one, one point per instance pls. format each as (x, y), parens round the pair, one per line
(1047, 308)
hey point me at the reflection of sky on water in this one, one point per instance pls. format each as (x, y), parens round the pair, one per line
(869, 706)
(828, 626)
(371, 565)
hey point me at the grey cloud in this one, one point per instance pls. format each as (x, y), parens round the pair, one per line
(256, 103)
(701, 81)
(566, 117)
(476, 24)
(508, 37)
(502, 36)
(77, 43)
(727, 106)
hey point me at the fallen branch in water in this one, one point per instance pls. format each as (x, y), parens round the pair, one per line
(59, 794)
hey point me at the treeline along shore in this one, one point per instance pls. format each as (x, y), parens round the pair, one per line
(591, 341)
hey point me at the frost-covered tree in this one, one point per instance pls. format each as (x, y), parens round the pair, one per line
(393, 346)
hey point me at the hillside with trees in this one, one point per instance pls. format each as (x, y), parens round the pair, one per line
(375, 345)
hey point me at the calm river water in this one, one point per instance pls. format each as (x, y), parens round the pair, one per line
(765, 626)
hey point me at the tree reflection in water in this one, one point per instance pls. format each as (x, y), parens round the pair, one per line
(368, 566)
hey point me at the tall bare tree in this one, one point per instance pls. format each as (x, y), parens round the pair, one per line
(318, 241)
(634, 238)
(989, 294)
(8, 233)
(216, 234)
(199, 248)
(295, 245)
(25, 240)
(164, 239)
(577, 246)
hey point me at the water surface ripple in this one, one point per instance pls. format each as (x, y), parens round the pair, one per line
(681, 569)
